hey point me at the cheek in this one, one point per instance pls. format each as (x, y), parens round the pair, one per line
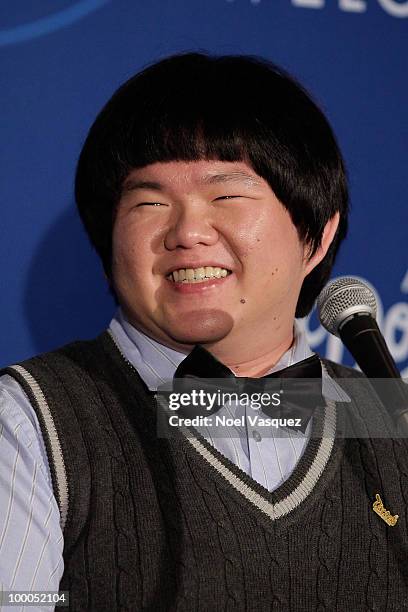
(131, 246)
(247, 236)
(125, 256)
(274, 256)
(129, 264)
(144, 231)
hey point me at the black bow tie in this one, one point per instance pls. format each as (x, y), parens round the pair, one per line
(299, 398)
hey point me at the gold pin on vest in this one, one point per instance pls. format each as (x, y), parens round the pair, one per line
(386, 515)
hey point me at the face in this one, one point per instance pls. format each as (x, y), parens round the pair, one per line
(204, 252)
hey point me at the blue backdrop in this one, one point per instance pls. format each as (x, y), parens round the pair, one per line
(61, 60)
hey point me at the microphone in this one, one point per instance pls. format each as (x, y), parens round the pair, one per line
(347, 308)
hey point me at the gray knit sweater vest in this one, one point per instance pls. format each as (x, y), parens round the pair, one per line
(158, 524)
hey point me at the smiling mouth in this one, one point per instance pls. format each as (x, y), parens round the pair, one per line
(197, 275)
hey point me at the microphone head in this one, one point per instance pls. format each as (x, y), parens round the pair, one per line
(343, 298)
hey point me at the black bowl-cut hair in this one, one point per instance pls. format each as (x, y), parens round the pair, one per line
(198, 106)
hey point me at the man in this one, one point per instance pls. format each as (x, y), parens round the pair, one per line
(215, 194)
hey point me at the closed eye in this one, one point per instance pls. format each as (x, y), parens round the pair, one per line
(150, 204)
(228, 197)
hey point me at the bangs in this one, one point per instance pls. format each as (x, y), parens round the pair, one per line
(196, 108)
(185, 128)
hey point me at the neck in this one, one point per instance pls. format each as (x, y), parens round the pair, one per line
(253, 363)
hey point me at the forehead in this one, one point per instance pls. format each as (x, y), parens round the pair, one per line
(192, 174)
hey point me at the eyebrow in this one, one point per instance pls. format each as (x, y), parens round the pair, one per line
(231, 177)
(132, 185)
(209, 179)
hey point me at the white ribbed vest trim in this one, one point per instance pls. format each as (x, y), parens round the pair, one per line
(57, 458)
(299, 494)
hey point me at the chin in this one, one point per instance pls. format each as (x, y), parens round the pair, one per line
(200, 327)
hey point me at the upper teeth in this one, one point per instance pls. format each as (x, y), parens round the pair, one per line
(197, 274)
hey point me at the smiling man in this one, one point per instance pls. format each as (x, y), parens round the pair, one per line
(215, 195)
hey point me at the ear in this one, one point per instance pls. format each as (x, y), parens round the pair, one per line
(327, 238)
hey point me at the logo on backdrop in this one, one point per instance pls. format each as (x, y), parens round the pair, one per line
(393, 324)
(50, 23)
(395, 8)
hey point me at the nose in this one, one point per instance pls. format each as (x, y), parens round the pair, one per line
(189, 227)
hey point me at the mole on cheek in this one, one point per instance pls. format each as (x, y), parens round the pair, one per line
(242, 301)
